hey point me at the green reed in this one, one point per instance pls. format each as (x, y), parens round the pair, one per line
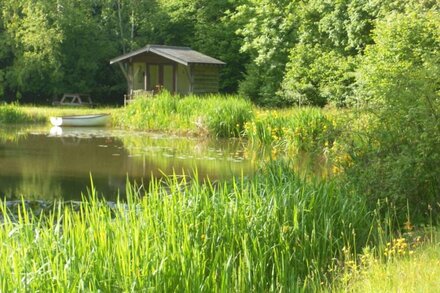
(12, 114)
(273, 232)
(216, 115)
(295, 130)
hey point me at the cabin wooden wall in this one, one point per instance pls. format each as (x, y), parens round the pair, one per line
(196, 78)
(183, 79)
(205, 78)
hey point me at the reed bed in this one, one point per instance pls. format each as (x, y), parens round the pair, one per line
(297, 130)
(12, 113)
(271, 233)
(216, 115)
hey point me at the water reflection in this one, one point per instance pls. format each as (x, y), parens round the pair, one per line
(40, 164)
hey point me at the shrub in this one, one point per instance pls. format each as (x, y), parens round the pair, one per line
(316, 77)
(399, 79)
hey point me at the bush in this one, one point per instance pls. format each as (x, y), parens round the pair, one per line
(399, 80)
(316, 77)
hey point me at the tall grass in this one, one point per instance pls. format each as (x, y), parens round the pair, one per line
(12, 114)
(272, 233)
(216, 115)
(298, 130)
(407, 265)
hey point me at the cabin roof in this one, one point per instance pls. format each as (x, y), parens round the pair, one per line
(183, 55)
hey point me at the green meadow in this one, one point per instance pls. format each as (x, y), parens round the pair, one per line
(282, 229)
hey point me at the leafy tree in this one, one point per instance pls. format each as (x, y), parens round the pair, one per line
(269, 30)
(316, 77)
(399, 79)
(215, 35)
(5, 54)
(36, 48)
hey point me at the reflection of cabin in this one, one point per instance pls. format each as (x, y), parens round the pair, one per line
(176, 69)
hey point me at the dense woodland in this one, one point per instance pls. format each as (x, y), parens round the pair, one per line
(278, 52)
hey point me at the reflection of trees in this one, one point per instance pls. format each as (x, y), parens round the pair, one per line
(38, 166)
(212, 158)
(12, 134)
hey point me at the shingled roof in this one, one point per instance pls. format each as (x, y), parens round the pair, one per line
(182, 55)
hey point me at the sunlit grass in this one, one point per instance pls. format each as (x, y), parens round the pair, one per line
(272, 233)
(416, 271)
(215, 115)
(13, 113)
(43, 113)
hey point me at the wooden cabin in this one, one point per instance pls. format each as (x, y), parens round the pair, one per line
(177, 69)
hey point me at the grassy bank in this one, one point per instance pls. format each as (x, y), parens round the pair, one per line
(216, 115)
(302, 129)
(24, 114)
(405, 265)
(270, 233)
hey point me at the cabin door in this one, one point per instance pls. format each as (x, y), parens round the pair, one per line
(161, 75)
(139, 74)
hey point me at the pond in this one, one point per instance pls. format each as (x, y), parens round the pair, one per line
(47, 164)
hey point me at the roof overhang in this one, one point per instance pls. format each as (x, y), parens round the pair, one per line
(162, 51)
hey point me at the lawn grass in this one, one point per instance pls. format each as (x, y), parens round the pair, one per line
(28, 114)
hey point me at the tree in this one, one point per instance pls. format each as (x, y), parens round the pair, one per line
(269, 30)
(399, 81)
(36, 40)
(317, 77)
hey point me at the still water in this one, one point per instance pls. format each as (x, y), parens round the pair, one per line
(40, 163)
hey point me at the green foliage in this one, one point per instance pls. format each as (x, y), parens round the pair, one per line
(316, 77)
(399, 78)
(267, 234)
(268, 31)
(36, 43)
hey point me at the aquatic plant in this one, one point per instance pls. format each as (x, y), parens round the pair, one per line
(299, 130)
(273, 232)
(216, 115)
(11, 113)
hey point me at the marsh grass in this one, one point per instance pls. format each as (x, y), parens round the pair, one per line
(13, 114)
(216, 115)
(294, 130)
(272, 233)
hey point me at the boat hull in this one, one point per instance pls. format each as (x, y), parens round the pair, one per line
(81, 120)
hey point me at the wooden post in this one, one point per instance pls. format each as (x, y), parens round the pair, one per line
(145, 77)
(174, 78)
(190, 79)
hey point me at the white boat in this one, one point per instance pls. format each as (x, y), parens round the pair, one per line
(81, 120)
